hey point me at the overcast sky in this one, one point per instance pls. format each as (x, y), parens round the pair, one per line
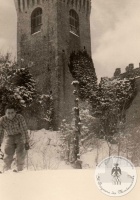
(115, 32)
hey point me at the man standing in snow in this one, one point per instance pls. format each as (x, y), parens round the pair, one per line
(13, 128)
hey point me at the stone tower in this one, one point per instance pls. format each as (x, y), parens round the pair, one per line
(47, 32)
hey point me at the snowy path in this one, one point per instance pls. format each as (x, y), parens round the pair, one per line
(45, 153)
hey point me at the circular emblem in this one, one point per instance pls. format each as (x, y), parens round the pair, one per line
(115, 176)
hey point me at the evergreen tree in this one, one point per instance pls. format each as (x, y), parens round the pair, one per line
(17, 86)
(114, 98)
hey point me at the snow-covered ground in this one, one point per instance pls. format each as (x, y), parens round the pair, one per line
(38, 183)
(57, 184)
(45, 153)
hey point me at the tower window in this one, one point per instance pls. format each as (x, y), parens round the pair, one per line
(36, 20)
(74, 22)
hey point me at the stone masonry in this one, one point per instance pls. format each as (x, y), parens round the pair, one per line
(49, 49)
(133, 113)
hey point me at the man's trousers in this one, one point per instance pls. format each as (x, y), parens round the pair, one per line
(14, 144)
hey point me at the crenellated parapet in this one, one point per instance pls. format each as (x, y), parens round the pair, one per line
(24, 5)
(84, 5)
(130, 72)
(80, 5)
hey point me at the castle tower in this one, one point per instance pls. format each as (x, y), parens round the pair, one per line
(47, 32)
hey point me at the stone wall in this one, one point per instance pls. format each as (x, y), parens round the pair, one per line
(133, 113)
(50, 48)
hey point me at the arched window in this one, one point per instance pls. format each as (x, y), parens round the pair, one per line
(74, 22)
(36, 20)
